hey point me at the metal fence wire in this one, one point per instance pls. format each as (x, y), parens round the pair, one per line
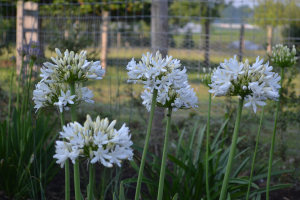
(200, 33)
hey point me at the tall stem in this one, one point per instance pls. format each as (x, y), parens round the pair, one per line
(207, 148)
(91, 181)
(139, 183)
(232, 151)
(73, 106)
(10, 92)
(273, 137)
(255, 152)
(77, 180)
(28, 86)
(20, 75)
(164, 158)
(67, 164)
(76, 165)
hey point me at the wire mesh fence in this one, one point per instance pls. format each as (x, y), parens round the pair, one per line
(200, 33)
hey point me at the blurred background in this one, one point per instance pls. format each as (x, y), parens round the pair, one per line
(200, 33)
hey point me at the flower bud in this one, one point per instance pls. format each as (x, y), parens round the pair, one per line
(58, 52)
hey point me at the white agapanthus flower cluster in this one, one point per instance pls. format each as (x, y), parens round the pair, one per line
(96, 141)
(255, 83)
(59, 95)
(71, 67)
(205, 78)
(166, 76)
(283, 56)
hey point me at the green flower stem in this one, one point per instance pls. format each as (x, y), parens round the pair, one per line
(255, 152)
(139, 183)
(18, 93)
(10, 92)
(67, 164)
(73, 107)
(76, 165)
(232, 151)
(207, 148)
(164, 158)
(77, 180)
(273, 137)
(31, 62)
(91, 181)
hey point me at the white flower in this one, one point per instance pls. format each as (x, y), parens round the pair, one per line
(96, 141)
(60, 105)
(165, 76)
(255, 83)
(59, 95)
(100, 156)
(71, 67)
(62, 152)
(66, 97)
(255, 100)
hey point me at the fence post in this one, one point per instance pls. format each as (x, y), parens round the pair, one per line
(104, 38)
(242, 43)
(159, 41)
(27, 26)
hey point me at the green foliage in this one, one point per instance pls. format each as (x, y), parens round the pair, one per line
(27, 154)
(188, 175)
(26, 150)
(293, 30)
(89, 7)
(75, 41)
(267, 11)
(188, 42)
(194, 9)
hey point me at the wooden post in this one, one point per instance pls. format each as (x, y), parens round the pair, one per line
(27, 26)
(119, 39)
(270, 30)
(103, 60)
(207, 44)
(242, 43)
(159, 41)
(19, 34)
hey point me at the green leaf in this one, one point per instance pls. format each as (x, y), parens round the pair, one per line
(214, 154)
(175, 197)
(218, 134)
(121, 196)
(238, 170)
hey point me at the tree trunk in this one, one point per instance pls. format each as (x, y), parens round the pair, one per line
(159, 41)
(242, 43)
(105, 18)
(207, 44)
(270, 30)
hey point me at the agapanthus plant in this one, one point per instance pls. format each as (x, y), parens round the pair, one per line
(61, 87)
(166, 86)
(282, 57)
(59, 95)
(95, 141)
(256, 83)
(71, 67)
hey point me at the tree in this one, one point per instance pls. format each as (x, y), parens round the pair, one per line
(292, 31)
(268, 14)
(203, 11)
(108, 9)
